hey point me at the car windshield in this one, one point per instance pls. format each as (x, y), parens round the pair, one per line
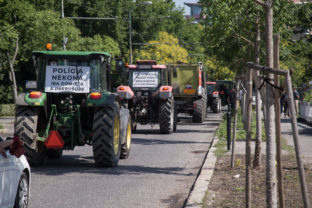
(70, 75)
(144, 79)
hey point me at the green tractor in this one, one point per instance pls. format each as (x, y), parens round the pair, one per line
(189, 90)
(70, 104)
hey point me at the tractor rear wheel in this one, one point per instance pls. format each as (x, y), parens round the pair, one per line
(216, 105)
(199, 112)
(25, 126)
(125, 133)
(106, 136)
(166, 116)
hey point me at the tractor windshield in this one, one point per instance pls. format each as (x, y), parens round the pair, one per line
(211, 88)
(60, 75)
(145, 79)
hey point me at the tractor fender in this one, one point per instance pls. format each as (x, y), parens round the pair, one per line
(165, 92)
(106, 100)
(125, 92)
(24, 99)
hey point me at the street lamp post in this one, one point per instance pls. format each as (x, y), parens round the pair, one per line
(130, 29)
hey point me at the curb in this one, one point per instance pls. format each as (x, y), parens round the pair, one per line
(195, 199)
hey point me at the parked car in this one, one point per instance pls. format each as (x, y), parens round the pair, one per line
(15, 179)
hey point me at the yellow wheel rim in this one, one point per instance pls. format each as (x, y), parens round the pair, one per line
(128, 135)
(116, 134)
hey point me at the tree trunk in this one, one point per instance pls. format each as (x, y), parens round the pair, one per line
(11, 72)
(257, 157)
(271, 185)
(14, 85)
(235, 121)
(248, 138)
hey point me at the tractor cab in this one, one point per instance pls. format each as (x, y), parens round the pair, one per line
(147, 76)
(72, 72)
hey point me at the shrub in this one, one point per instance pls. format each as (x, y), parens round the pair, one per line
(7, 110)
(308, 96)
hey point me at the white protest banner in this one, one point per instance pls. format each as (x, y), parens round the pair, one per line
(145, 79)
(73, 79)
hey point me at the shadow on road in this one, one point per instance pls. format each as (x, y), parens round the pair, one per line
(179, 130)
(75, 163)
(144, 141)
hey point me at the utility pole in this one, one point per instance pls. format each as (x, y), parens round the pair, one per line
(130, 37)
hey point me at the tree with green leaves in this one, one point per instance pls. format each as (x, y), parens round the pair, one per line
(165, 49)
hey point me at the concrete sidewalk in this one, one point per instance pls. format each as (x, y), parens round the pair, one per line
(7, 124)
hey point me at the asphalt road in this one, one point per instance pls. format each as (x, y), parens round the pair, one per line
(160, 171)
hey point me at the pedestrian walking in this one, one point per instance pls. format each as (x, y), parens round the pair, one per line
(296, 99)
(285, 104)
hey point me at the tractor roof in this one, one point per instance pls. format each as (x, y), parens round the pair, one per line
(211, 83)
(71, 53)
(147, 67)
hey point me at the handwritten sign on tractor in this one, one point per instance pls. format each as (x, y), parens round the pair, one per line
(71, 79)
(145, 79)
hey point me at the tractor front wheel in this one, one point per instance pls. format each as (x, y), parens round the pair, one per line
(216, 105)
(166, 116)
(25, 126)
(106, 136)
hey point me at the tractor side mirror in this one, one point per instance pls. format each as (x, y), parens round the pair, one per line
(174, 72)
(119, 65)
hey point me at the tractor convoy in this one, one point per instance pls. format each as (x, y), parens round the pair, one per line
(71, 103)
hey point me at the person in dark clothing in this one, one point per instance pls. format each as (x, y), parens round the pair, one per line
(285, 104)
(296, 99)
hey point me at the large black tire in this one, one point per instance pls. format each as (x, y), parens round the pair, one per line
(216, 105)
(22, 194)
(175, 118)
(125, 133)
(25, 126)
(199, 111)
(166, 116)
(106, 137)
(133, 126)
(205, 106)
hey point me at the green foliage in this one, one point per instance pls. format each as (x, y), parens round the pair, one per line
(217, 71)
(230, 28)
(95, 43)
(308, 96)
(7, 110)
(165, 49)
(298, 58)
(240, 131)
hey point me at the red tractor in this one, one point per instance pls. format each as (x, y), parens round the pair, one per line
(148, 95)
(214, 100)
